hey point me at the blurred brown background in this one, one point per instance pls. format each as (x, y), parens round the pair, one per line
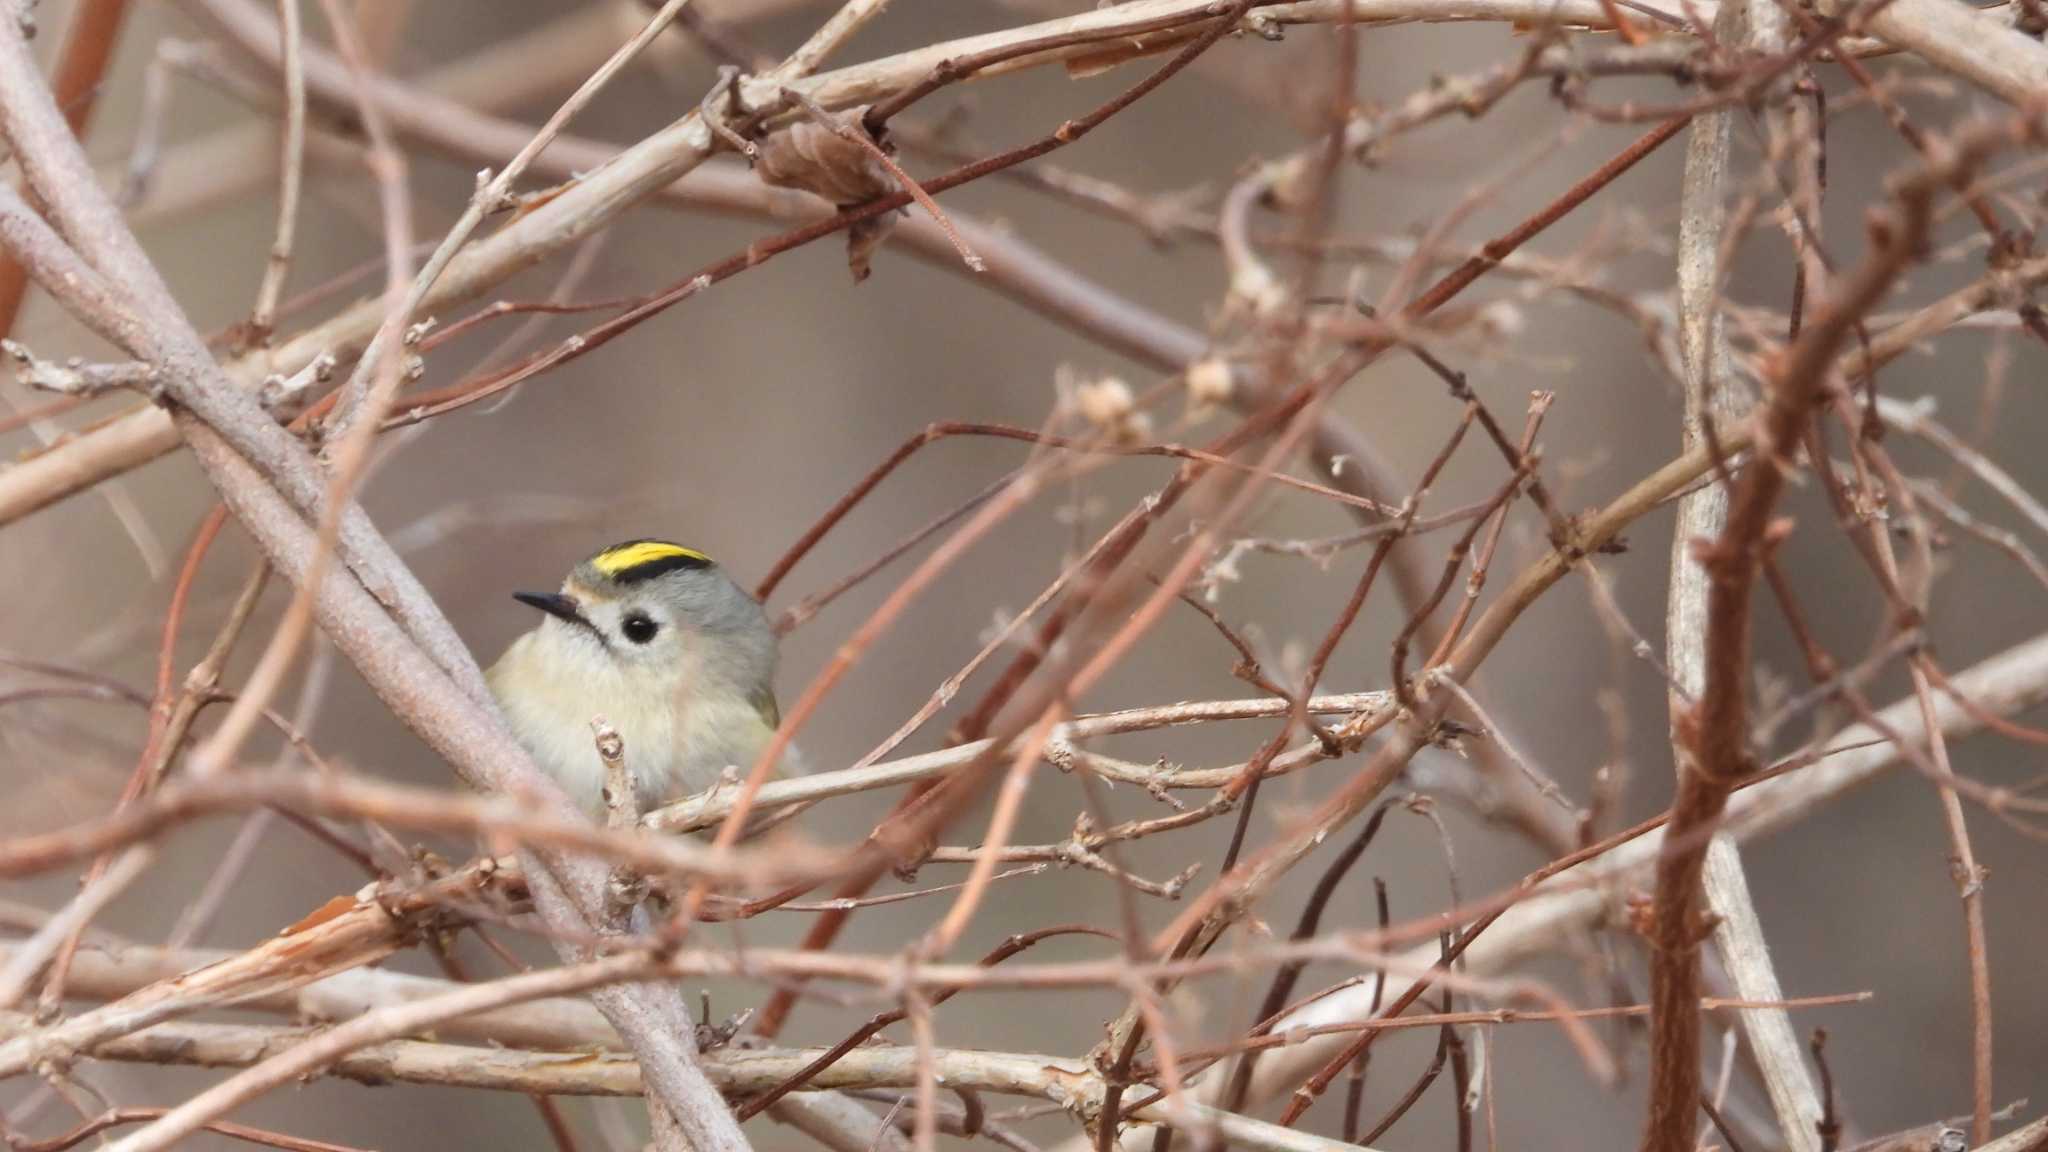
(732, 421)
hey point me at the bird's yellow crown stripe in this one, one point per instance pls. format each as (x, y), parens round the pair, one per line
(626, 557)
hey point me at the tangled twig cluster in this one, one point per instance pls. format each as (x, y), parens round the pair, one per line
(282, 418)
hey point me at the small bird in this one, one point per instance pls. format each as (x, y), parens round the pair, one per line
(656, 638)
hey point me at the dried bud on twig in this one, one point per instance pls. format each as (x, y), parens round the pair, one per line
(1108, 405)
(624, 888)
(1209, 383)
(75, 377)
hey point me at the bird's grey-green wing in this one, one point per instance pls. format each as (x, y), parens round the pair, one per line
(763, 700)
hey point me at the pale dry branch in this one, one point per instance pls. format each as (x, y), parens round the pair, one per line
(334, 940)
(1063, 1081)
(112, 971)
(196, 175)
(1303, 321)
(707, 810)
(245, 453)
(519, 820)
(1917, 418)
(592, 200)
(291, 173)
(1715, 728)
(26, 962)
(1714, 397)
(321, 1049)
(1961, 40)
(493, 194)
(1575, 901)
(77, 379)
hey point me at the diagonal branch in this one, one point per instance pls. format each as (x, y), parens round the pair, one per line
(596, 197)
(408, 652)
(89, 40)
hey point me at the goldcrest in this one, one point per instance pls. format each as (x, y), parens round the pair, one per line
(656, 638)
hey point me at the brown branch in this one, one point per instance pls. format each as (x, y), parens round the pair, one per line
(89, 40)
(1716, 729)
(117, 1117)
(1713, 397)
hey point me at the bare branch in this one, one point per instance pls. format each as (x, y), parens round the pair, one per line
(1713, 398)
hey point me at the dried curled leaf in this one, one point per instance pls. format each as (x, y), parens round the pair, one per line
(813, 158)
(863, 238)
(809, 156)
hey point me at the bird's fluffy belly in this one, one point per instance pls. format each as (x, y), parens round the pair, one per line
(676, 741)
(555, 726)
(672, 749)
(558, 732)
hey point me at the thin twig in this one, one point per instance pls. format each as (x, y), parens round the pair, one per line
(291, 173)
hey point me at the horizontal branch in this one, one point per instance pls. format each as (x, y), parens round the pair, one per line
(1960, 40)
(113, 971)
(341, 935)
(2003, 684)
(589, 202)
(1138, 28)
(1064, 1081)
(515, 819)
(705, 810)
(527, 820)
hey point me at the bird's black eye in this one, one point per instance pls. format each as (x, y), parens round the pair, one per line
(639, 628)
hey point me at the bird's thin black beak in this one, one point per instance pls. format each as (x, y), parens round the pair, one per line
(554, 604)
